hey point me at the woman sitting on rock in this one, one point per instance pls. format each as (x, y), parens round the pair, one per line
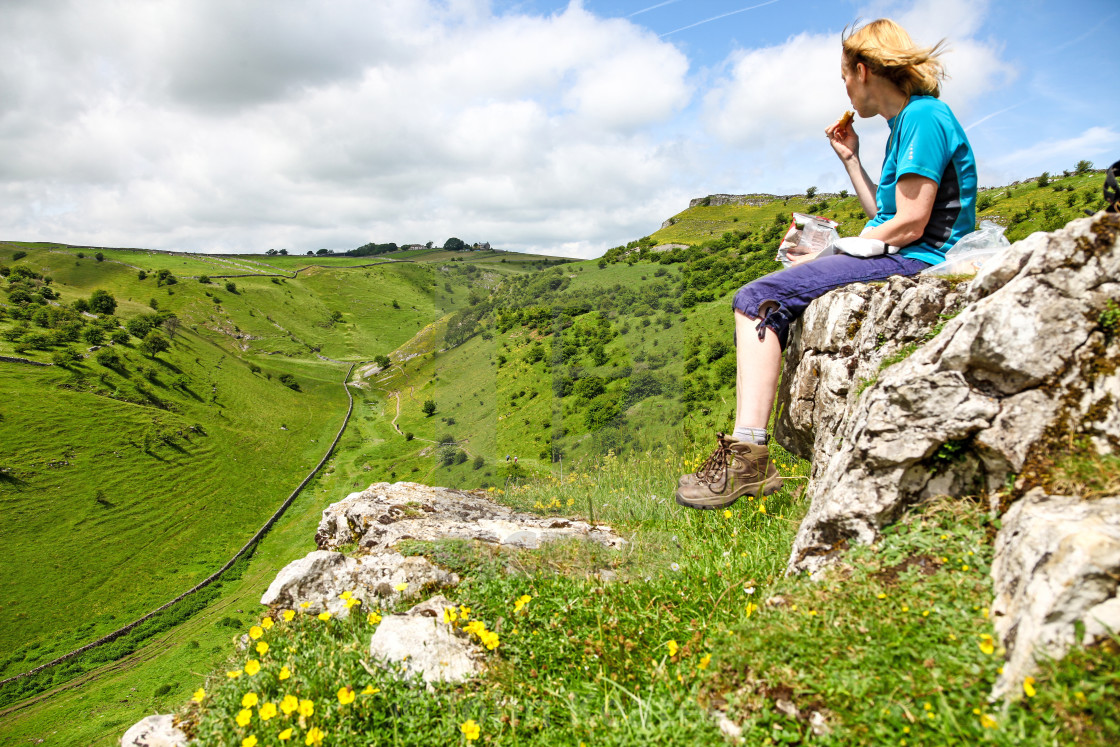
(924, 202)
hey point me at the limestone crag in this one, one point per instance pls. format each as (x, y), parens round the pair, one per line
(383, 514)
(980, 385)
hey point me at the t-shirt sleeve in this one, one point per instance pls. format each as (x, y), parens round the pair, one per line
(923, 146)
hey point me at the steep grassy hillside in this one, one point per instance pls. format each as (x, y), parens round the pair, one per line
(128, 478)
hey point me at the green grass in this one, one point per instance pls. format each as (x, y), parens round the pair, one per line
(99, 504)
(887, 646)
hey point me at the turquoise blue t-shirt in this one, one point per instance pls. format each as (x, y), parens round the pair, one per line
(927, 140)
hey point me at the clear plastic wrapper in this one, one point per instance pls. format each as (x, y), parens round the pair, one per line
(968, 255)
(808, 237)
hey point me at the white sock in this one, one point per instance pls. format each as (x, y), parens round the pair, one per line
(750, 435)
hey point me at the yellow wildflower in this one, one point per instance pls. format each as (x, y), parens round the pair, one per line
(1028, 687)
(987, 644)
(449, 615)
(244, 717)
(249, 700)
(371, 690)
(252, 667)
(249, 741)
(324, 616)
(288, 615)
(489, 639)
(751, 608)
(285, 673)
(256, 632)
(521, 602)
(285, 735)
(314, 737)
(199, 695)
(762, 508)
(705, 660)
(727, 513)
(267, 623)
(470, 730)
(262, 648)
(987, 721)
(373, 618)
(673, 647)
(304, 605)
(289, 705)
(267, 711)
(401, 587)
(464, 612)
(346, 695)
(307, 708)
(345, 595)
(352, 603)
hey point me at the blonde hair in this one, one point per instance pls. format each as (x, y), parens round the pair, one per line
(887, 50)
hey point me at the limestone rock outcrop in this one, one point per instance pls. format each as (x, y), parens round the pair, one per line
(920, 387)
(1057, 566)
(321, 577)
(385, 513)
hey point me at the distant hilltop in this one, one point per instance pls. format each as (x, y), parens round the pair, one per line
(754, 200)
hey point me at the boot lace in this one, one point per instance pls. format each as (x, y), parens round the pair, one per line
(714, 470)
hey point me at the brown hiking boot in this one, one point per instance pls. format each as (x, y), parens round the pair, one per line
(735, 468)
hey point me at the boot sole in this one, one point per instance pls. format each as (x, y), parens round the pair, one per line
(767, 488)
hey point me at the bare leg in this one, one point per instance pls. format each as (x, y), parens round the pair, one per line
(757, 365)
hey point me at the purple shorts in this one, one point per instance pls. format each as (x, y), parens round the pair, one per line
(780, 297)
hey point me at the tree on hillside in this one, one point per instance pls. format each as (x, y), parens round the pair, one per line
(1083, 167)
(284, 252)
(429, 407)
(455, 245)
(171, 325)
(102, 302)
(811, 192)
(1044, 179)
(153, 344)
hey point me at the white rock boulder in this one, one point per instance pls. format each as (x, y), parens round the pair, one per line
(384, 514)
(421, 643)
(321, 577)
(1056, 569)
(154, 731)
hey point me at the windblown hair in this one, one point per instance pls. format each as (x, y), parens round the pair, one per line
(888, 51)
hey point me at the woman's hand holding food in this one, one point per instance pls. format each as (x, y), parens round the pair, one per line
(843, 138)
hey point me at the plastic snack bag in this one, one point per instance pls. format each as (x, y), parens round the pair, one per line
(808, 237)
(972, 251)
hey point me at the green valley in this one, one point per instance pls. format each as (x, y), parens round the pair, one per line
(187, 395)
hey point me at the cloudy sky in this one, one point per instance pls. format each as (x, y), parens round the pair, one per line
(545, 125)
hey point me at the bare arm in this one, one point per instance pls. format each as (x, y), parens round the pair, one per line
(914, 196)
(846, 144)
